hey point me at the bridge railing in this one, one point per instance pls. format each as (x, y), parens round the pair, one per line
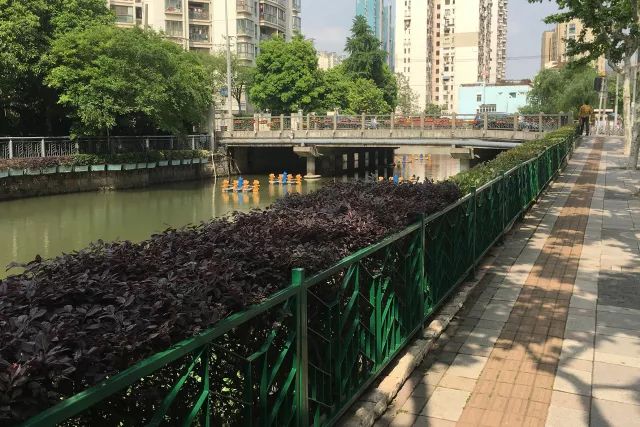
(365, 122)
(304, 355)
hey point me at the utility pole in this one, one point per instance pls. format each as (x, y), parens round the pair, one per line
(229, 80)
(615, 107)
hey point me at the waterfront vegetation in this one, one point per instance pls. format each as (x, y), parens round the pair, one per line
(50, 163)
(75, 320)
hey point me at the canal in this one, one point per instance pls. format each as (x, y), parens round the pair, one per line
(52, 225)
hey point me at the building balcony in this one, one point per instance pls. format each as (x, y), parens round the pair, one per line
(173, 6)
(245, 6)
(197, 37)
(199, 15)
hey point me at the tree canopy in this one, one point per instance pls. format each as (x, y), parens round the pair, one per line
(27, 32)
(566, 89)
(407, 98)
(367, 60)
(365, 97)
(111, 77)
(286, 76)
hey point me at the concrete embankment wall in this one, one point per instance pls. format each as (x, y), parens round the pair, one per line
(16, 187)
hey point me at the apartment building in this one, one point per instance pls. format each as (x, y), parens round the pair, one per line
(379, 15)
(328, 60)
(442, 44)
(555, 45)
(200, 25)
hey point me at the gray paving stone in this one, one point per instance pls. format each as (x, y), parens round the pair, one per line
(446, 403)
(612, 414)
(619, 289)
(467, 366)
(616, 383)
(620, 321)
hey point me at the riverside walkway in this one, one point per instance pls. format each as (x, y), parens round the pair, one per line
(550, 335)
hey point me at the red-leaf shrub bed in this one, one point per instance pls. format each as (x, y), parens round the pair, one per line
(68, 322)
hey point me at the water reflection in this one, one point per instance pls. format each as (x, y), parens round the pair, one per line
(49, 226)
(419, 162)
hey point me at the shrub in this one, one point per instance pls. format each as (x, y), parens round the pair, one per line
(507, 160)
(69, 322)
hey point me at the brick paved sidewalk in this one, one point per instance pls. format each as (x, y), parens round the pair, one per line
(553, 337)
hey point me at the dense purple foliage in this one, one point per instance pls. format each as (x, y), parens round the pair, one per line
(68, 322)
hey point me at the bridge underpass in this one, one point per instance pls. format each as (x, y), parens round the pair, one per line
(326, 155)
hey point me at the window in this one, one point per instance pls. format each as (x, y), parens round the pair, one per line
(124, 14)
(478, 98)
(199, 33)
(173, 28)
(245, 27)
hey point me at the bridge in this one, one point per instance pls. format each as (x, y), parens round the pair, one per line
(313, 136)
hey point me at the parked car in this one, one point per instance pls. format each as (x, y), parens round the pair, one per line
(495, 121)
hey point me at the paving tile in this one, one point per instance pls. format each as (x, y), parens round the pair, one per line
(458, 383)
(446, 403)
(564, 417)
(617, 350)
(414, 404)
(467, 366)
(616, 383)
(403, 420)
(581, 323)
(620, 321)
(432, 422)
(570, 401)
(607, 413)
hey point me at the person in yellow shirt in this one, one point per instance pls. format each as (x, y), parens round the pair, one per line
(586, 111)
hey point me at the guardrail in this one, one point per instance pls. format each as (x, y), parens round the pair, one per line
(306, 354)
(22, 147)
(488, 121)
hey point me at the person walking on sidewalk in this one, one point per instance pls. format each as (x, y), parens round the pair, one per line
(586, 111)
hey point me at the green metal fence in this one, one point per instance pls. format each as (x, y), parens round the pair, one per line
(306, 354)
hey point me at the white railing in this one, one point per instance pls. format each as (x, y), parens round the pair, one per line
(25, 147)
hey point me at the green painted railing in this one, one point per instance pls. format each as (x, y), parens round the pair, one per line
(306, 354)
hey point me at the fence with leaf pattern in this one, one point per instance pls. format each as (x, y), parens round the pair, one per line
(306, 354)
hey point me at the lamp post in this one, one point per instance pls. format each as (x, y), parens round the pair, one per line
(229, 79)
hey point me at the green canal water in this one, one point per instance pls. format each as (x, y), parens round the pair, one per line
(52, 225)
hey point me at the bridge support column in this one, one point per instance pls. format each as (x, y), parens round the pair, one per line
(311, 154)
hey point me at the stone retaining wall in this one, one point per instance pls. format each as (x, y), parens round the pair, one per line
(15, 187)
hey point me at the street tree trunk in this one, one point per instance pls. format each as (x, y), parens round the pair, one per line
(627, 114)
(635, 134)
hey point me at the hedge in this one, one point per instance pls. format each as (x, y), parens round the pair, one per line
(507, 160)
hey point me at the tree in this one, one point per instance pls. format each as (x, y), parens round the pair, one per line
(612, 28)
(132, 79)
(407, 98)
(366, 97)
(563, 90)
(367, 60)
(286, 76)
(433, 109)
(337, 85)
(242, 76)
(27, 31)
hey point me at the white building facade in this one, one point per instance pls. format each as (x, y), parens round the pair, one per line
(442, 44)
(200, 25)
(328, 60)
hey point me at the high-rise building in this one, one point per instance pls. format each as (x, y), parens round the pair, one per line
(328, 60)
(555, 45)
(200, 25)
(380, 18)
(442, 44)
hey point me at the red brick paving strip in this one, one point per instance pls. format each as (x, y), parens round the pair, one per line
(515, 386)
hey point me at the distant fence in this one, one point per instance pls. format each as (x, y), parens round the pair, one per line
(23, 147)
(304, 355)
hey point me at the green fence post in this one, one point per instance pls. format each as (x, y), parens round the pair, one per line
(302, 349)
(503, 203)
(474, 228)
(423, 268)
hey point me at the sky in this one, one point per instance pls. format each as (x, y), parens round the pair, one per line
(328, 23)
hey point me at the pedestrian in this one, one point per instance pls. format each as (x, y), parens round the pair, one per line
(586, 111)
